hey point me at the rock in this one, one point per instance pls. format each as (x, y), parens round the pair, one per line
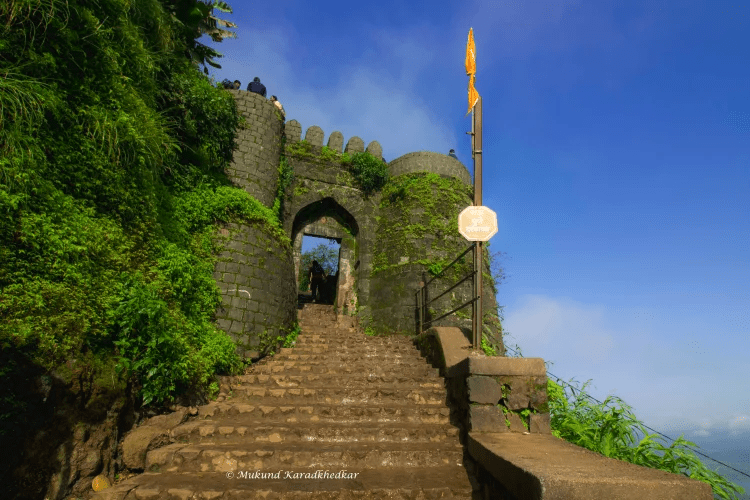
(153, 434)
(100, 483)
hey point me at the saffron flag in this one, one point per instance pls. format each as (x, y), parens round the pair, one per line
(471, 69)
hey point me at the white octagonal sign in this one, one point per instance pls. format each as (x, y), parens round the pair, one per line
(477, 223)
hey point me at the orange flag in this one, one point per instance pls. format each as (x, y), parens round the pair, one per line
(471, 69)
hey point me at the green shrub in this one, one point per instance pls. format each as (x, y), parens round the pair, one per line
(370, 172)
(609, 429)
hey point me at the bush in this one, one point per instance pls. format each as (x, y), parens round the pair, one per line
(370, 172)
(609, 429)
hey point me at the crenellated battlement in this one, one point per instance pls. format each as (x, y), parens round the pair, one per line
(420, 161)
(315, 136)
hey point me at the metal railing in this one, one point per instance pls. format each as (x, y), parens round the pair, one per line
(423, 300)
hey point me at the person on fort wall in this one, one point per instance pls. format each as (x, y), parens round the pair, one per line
(278, 105)
(316, 275)
(257, 87)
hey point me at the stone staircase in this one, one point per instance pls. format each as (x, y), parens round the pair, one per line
(342, 415)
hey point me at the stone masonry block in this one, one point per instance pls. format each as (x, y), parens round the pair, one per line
(486, 419)
(483, 390)
(235, 314)
(314, 136)
(538, 398)
(375, 149)
(355, 145)
(336, 141)
(517, 400)
(516, 424)
(539, 423)
(293, 131)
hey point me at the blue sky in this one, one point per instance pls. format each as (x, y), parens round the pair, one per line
(616, 155)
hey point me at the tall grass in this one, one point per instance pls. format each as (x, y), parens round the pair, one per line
(610, 429)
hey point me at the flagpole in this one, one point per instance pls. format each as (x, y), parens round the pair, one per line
(479, 261)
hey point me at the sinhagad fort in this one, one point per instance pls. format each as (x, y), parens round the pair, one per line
(388, 239)
(355, 409)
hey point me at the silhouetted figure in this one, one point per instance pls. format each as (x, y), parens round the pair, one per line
(227, 83)
(237, 85)
(452, 154)
(257, 87)
(316, 276)
(328, 289)
(278, 105)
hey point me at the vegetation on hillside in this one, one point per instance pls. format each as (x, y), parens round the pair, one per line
(610, 429)
(112, 152)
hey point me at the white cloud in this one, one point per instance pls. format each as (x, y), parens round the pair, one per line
(364, 100)
(560, 328)
(740, 423)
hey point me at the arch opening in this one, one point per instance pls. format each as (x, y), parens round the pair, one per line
(327, 219)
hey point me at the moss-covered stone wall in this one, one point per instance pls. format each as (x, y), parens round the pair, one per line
(391, 239)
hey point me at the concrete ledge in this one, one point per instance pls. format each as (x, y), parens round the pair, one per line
(544, 467)
(531, 367)
(461, 360)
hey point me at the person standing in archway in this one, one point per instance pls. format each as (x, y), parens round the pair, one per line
(316, 275)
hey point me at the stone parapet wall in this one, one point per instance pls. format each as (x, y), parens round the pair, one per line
(255, 273)
(503, 394)
(315, 137)
(428, 161)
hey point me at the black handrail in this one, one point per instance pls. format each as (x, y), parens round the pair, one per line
(473, 245)
(468, 276)
(451, 312)
(422, 302)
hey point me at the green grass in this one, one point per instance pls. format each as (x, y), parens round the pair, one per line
(610, 428)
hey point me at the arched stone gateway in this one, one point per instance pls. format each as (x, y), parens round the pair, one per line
(326, 218)
(388, 238)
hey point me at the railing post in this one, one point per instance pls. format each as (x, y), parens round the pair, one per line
(419, 306)
(474, 305)
(425, 315)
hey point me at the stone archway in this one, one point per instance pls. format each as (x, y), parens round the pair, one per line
(326, 218)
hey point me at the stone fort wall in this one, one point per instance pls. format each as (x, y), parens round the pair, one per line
(258, 279)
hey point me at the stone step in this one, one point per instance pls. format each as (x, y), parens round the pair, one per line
(328, 413)
(222, 457)
(361, 343)
(355, 380)
(343, 369)
(328, 348)
(337, 395)
(379, 356)
(244, 429)
(447, 482)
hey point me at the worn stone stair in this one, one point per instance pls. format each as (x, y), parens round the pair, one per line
(369, 409)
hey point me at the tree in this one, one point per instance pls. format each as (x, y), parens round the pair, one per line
(326, 255)
(197, 19)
